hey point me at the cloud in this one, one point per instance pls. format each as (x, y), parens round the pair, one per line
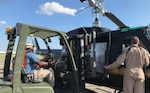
(2, 22)
(49, 8)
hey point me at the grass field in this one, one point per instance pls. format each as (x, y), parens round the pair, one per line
(2, 56)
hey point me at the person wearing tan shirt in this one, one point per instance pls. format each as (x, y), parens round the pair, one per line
(135, 58)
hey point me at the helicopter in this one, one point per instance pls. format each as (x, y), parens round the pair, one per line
(94, 47)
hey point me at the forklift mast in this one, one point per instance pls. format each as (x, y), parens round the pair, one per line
(83, 44)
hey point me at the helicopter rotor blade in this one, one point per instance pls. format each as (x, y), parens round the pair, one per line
(96, 5)
(113, 18)
(82, 10)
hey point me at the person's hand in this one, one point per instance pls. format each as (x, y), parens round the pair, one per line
(53, 62)
(106, 67)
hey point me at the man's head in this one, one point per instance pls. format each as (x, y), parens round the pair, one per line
(29, 45)
(135, 40)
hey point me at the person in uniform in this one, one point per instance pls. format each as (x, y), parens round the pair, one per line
(135, 58)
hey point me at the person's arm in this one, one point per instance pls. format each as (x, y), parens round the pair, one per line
(118, 62)
(113, 65)
(42, 63)
(34, 58)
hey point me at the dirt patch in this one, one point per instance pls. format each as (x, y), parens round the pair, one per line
(1, 67)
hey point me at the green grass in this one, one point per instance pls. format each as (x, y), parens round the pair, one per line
(2, 56)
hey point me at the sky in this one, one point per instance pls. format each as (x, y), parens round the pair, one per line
(64, 15)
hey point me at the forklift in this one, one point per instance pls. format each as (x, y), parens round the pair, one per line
(17, 37)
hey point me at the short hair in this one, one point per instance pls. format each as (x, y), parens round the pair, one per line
(135, 40)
